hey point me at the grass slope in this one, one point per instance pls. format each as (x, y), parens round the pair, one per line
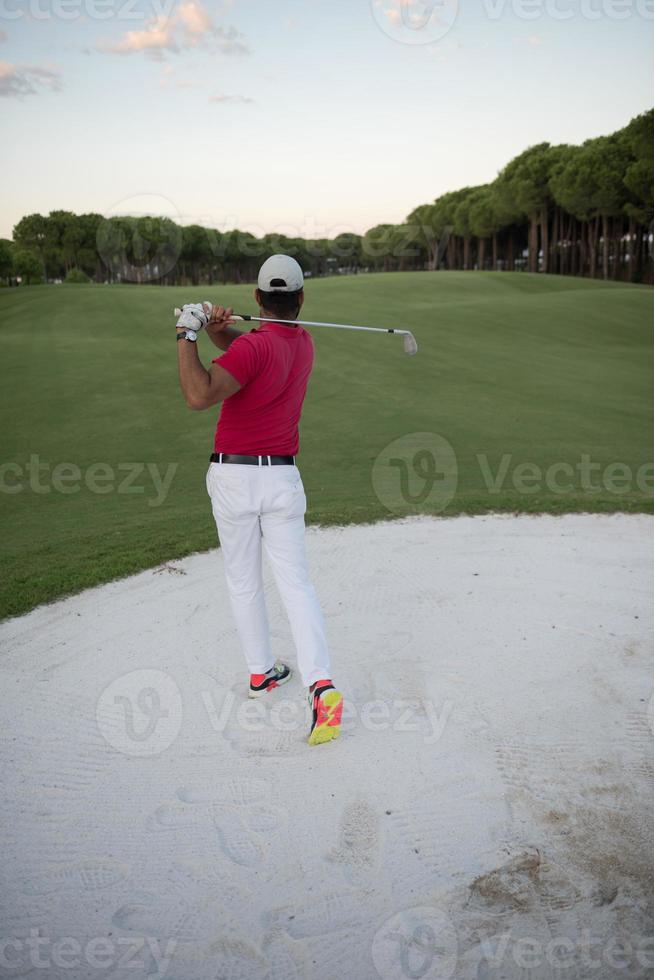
(534, 369)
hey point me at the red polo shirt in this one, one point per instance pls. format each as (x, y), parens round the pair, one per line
(272, 364)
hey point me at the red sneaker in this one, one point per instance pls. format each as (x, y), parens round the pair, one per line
(327, 707)
(278, 674)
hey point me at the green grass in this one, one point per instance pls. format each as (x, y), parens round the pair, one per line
(540, 369)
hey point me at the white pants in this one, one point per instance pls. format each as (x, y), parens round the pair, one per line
(265, 505)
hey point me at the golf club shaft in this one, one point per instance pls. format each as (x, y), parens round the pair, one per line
(312, 323)
(317, 323)
(410, 345)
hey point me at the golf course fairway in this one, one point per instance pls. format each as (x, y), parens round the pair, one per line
(538, 389)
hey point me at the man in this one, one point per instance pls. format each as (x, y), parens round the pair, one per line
(256, 491)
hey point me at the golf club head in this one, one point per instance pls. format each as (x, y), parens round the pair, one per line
(410, 345)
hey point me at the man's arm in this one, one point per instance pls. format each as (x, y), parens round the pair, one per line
(202, 388)
(218, 328)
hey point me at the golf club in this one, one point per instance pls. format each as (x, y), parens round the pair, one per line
(410, 345)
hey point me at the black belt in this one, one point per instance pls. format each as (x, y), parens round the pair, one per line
(253, 460)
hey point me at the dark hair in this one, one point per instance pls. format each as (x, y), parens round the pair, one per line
(286, 306)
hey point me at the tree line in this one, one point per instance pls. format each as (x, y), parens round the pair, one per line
(584, 210)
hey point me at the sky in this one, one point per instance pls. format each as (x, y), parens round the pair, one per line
(305, 117)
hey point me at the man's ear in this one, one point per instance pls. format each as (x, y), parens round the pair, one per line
(257, 297)
(300, 300)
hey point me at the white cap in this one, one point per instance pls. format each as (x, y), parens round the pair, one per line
(280, 274)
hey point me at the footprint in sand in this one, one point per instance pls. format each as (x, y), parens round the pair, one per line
(639, 733)
(245, 797)
(271, 743)
(557, 893)
(166, 918)
(228, 959)
(287, 959)
(540, 770)
(357, 848)
(84, 876)
(211, 878)
(233, 810)
(529, 885)
(528, 895)
(236, 840)
(180, 816)
(232, 791)
(265, 819)
(238, 843)
(508, 889)
(197, 805)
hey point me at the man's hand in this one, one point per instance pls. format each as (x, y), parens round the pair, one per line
(219, 327)
(194, 316)
(219, 319)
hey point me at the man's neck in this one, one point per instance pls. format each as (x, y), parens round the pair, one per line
(275, 319)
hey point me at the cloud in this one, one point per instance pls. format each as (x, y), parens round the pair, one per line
(17, 81)
(3, 36)
(195, 18)
(156, 37)
(191, 26)
(231, 99)
(230, 41)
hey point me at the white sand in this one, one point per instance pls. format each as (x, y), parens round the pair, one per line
(494, 783)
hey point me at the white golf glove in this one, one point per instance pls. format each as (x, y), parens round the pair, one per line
(194, 316)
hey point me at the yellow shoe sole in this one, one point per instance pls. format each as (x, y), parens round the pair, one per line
(328, 725)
